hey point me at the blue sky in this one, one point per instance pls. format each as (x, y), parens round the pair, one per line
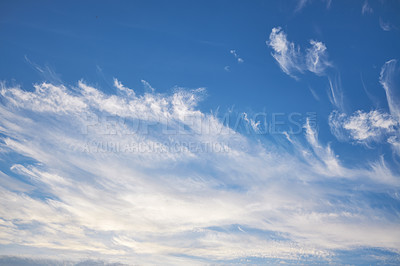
(185, 132)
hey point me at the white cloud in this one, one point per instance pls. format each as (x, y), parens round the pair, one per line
(335, 121)
(373, 126)
(367, 125)
(254, 125)
(335, 93)
(389, 80)
(386, 26)
(314, 94)
(117, 84)
(46, 72)
(285, 52)
(160, 204)
(45, 98)
(291, 59)
(303, 3)
(366, 8)
(330, 164)
(364, 126)
(316, 58)
(395, 142)
(238, 58)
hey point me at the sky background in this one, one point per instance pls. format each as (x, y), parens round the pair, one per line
(197, 132)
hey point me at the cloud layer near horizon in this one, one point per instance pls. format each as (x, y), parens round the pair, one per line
(82, 182)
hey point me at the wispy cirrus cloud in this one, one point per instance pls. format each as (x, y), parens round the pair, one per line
(285, 53)
(46, 72)
(301, 4)
(389, 79)
(122, 177)
(336, 94)
(316, 58)
(385, 25)
(294, 62)
(375, 125)
(366, 8)
(290, 58)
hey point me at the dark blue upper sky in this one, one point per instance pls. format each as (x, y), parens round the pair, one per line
(187, 43)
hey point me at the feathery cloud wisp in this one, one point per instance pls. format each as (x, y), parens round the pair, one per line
(366, 8)
(285, 52)
(316, 58)
(290, 58)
